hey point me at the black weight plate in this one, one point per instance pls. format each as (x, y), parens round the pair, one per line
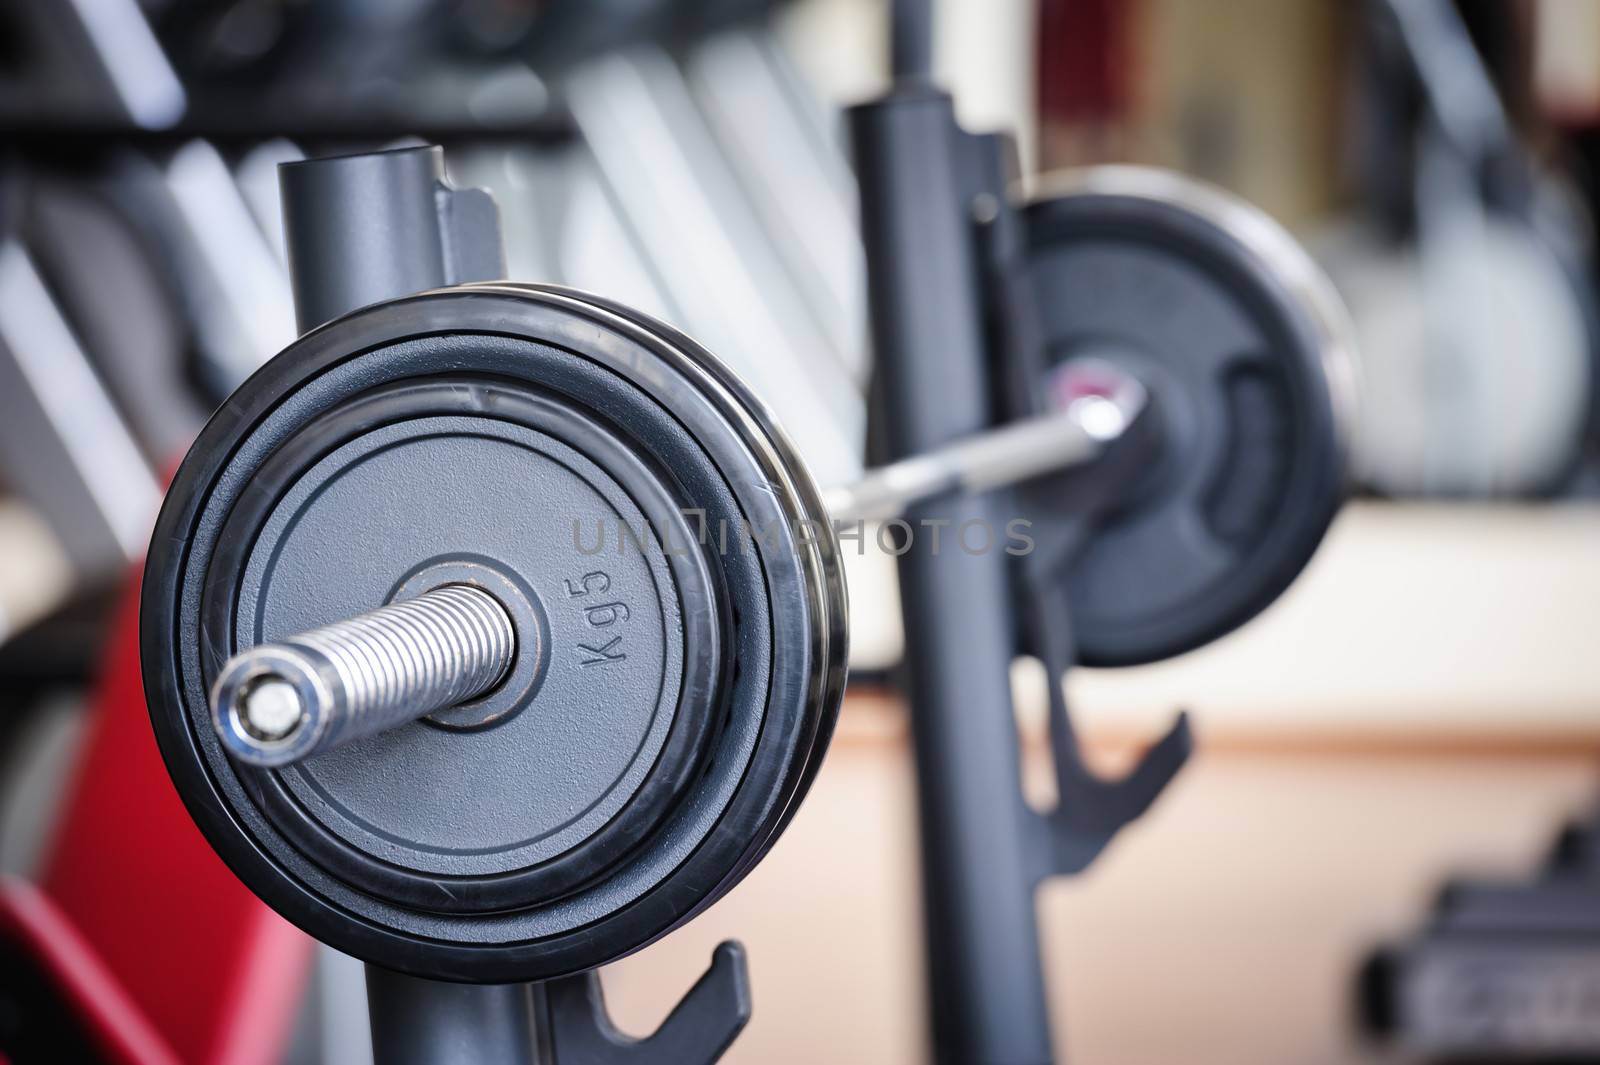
(461, 428)
(1241, 345)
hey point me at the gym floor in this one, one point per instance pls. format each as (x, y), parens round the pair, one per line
(1226, 928)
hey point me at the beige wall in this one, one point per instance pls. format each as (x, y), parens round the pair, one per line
(1244, 93)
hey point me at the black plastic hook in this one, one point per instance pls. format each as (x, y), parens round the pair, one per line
(575, 1028)
(1091, 809)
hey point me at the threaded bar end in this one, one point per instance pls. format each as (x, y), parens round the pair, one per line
(284, 701)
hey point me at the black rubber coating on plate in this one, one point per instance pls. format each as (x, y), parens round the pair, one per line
(525, 373)
(1251, 464)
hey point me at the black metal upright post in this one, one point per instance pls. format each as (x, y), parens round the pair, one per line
(426, 1022)
(379, 225)
(364, 228)
(986, 982)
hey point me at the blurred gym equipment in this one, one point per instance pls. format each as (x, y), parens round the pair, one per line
(1503, 970)
(1474, 306)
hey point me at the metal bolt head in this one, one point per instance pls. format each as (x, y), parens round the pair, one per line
(272, 709)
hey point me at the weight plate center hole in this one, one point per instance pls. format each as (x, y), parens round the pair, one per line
(517, 687)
